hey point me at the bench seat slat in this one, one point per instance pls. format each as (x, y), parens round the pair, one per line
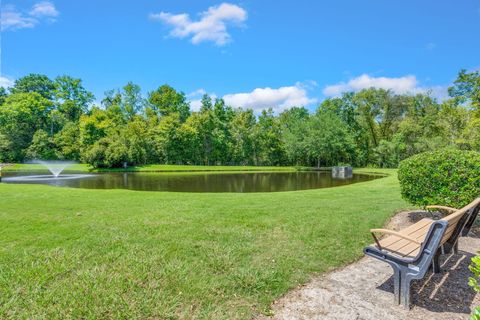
(415, 231)
(405, 248)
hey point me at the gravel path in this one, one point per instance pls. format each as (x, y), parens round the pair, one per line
(364, 289)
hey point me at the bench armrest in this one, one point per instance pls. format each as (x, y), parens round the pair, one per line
(441, 208)
(393, 233)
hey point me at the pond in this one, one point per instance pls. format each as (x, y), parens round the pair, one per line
(196, 181)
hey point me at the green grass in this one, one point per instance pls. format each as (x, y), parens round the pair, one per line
(80, 167)
(119, 254)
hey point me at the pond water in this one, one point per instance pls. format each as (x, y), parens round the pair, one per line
(195, 182)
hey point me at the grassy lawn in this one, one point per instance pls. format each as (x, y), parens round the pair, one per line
(80, 167)
(119, 254)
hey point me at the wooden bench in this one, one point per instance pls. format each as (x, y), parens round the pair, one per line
(413, 250)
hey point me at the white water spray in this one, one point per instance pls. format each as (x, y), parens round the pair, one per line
(54, 166)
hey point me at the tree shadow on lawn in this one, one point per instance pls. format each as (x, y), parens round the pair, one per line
(447, 291)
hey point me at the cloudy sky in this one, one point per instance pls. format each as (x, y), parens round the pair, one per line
(253, 53)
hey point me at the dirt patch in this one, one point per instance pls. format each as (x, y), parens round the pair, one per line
(364, 289)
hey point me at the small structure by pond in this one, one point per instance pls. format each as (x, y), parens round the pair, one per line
(342, 172)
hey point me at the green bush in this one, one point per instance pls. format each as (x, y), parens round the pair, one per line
(446, 177)
(474, 283)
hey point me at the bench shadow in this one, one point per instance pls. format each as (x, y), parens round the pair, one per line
(447, 291)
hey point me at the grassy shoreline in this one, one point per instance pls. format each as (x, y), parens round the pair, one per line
(78, 253)
(80, 167)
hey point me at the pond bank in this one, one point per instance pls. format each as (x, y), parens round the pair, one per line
(81, 167)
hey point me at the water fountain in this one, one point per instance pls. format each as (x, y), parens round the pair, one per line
(56, 167)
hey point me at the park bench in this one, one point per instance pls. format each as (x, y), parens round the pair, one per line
(411, 251)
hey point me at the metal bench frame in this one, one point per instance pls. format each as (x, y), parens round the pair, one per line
(451, 245)
(407, 269)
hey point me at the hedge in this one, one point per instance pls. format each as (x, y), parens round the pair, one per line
(446, 177)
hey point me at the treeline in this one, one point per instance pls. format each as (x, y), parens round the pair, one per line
(42, 118)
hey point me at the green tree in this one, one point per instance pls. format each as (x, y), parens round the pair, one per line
(42, 147)
(294, 134)
(166, 100)
(241, 129)
(268, 148)
(328, 140)
(132, 101)
(165, 139)
(221, 139)
(107, 152)
(72, 98)
(21, 115)
(189, 140)
(94, 126)
(135, 136)
(466, 89)
(67, 142)
(38, 83)
(471, 134)
(6, 154)
(3, 95)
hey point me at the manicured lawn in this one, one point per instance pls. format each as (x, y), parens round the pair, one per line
(80, 167)
(119, 254)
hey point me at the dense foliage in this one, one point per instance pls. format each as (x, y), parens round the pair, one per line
(448, 177)
(474, 283)
(57, 119)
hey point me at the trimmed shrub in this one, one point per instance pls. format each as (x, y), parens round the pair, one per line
(447, 177)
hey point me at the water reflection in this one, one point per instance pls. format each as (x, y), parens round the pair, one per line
(208, 182)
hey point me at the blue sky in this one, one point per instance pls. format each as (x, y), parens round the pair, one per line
(254, 53)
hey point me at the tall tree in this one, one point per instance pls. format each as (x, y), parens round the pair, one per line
(166, 100)
(72, 98)
(328, 140)
(466, 89)
(21, 115)
(268, 148)
(132, 102)
(241, 130)
(33, 82)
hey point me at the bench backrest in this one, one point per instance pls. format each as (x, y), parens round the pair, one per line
(454, 218)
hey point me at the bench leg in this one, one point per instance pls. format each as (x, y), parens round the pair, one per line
(405, 290)
(396, 285)
(436, 262)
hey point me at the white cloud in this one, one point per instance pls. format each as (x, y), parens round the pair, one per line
(13, 19)
(44, 9)
(5, 82)
(196, 104)
(195, 98)
(438, 92)
(401, 85)
(279, 99)
(398, 85)
(196, 93)
(212, 25)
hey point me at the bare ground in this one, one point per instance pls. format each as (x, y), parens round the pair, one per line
(364, 289)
